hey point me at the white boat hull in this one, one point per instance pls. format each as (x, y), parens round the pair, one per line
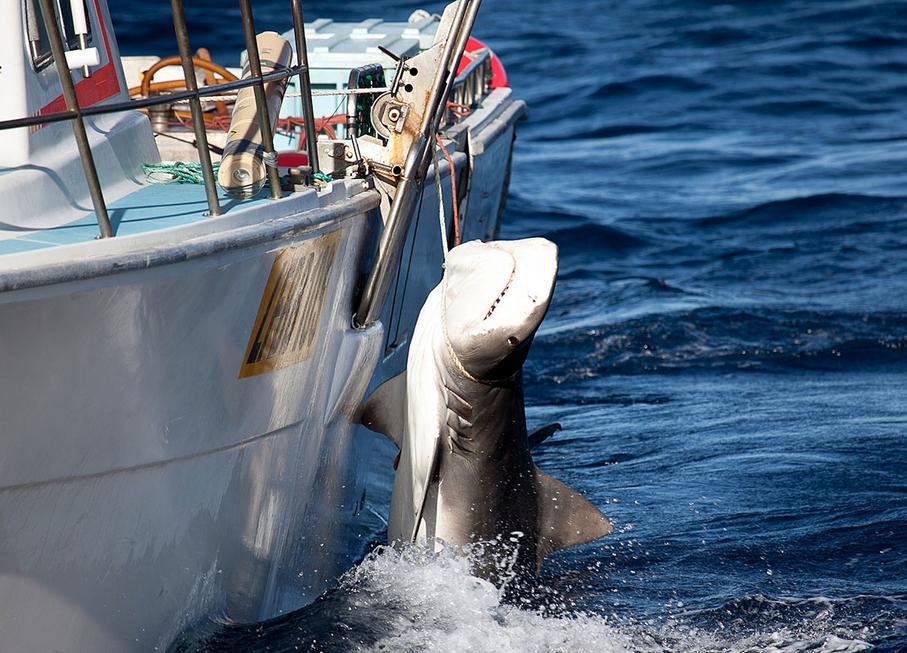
(149, 479)
(144, 483)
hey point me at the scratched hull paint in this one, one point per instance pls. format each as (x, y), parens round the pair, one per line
(146, 487)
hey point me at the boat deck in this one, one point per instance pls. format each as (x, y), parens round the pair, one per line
(148, 208)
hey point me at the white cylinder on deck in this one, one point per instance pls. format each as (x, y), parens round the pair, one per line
(242, 170)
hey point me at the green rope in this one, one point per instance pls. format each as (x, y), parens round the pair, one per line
(176, 172)
(183, 172)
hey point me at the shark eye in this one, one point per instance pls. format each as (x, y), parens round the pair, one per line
(513, 341)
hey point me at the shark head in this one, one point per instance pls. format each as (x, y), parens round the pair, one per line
(495, 297)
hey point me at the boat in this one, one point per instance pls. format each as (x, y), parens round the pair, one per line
(183, 362)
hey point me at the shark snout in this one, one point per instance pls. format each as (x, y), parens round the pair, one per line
(496, 296)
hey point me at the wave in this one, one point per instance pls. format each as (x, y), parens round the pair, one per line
(523, 209)
(589, 238)
(413, 600)
(719, 36)
(811, 209)
(725, 339)
(646, 84)
(811, 106)
(606, 131)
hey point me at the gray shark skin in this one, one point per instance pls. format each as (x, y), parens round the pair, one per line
(465, 473)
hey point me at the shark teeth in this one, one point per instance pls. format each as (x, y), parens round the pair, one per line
(498, 300)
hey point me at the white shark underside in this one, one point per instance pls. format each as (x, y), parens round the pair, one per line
(465, 473)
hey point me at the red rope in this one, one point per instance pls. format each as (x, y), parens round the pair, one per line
(458, 109)
(453, 191)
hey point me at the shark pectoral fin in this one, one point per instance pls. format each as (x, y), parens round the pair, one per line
(543, 433)
(385, 409)
(566, 518)
(429, 478)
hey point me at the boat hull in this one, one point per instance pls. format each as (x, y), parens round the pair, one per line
(153, 472)
(144, 480)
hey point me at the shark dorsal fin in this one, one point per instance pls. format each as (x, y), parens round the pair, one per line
(565, 517)
(385, 409)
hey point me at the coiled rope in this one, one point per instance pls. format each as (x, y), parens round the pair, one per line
(176, 172)
(190, 172)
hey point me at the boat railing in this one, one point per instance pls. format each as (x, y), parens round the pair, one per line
(472, 85)
(75, 114)
(447, 91)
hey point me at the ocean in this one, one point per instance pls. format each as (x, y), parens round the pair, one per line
(727, 345)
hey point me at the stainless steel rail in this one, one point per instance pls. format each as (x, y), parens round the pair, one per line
(261, 100)
(198, 118)
(132, 105)
(374, 294)
(192, 94)
(78, 125)
(474, 83)
(305, 85)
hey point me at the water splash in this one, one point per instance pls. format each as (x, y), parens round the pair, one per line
(416, 600)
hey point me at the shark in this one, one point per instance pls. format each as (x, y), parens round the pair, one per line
(464, 473)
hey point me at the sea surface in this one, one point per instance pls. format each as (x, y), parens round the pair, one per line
(727, 346)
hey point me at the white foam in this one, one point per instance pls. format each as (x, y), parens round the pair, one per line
(431, 602)
(440, 606)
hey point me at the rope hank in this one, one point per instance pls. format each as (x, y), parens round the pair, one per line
(176, 172)
(320, 176)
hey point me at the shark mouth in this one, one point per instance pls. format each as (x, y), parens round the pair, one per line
(500, 297)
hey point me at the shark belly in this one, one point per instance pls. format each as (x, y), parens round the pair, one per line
(421, 434)
(485, 504)
(487, 491)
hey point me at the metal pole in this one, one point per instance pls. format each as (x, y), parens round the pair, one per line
(305, 85)
(198, 118)
(452, 62)
(132, 105)
(261, 101)
(78, 126)
(371, 303)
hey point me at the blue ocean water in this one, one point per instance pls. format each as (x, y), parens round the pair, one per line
(727, 347)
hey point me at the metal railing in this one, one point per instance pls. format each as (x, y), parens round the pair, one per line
(76, 114)
(474, 83)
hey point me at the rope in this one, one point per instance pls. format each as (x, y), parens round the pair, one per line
(176, 172)
(453, 190)
(182, 172)
(442, 218)
(461, 110)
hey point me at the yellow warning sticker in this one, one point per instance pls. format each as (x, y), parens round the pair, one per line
(290, 308)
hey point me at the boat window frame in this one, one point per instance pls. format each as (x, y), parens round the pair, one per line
(63, 11)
